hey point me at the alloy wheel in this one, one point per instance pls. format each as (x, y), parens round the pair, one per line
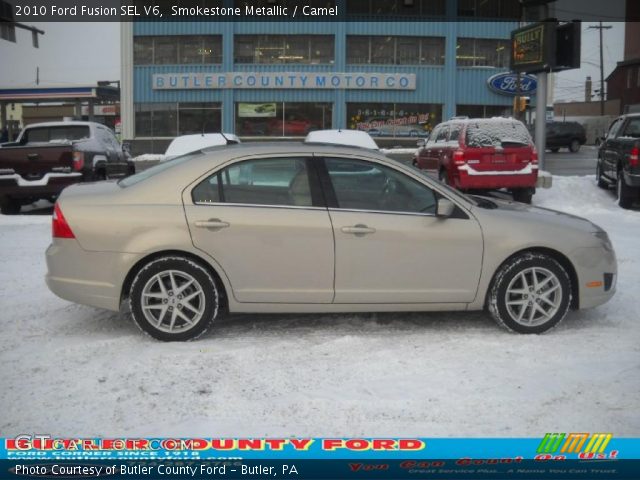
(533, 296)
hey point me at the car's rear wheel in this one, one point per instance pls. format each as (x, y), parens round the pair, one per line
(574, 146)
(625, 192)
(10, 206)
(443, 176)
(601, 181)
(174, 299)
(530, 293)
(523, 195)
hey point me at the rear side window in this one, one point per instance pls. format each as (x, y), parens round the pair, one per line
(615, 126)
(496, 134)
(633, 128)
(273, 181)
(454, 133)
(58, 134)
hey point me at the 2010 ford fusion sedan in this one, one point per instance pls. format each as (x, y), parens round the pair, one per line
(303, 228)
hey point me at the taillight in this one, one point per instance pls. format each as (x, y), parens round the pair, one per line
(534, 156)
(78, 161)
(59, 226)
(633, 158)
(458, 157)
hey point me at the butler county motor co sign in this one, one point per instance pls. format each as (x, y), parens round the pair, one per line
(283, 80)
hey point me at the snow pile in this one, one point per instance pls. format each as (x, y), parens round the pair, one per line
(149, 157)
(75, 370)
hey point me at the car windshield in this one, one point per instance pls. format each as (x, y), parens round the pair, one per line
(160, 167)
(495, 133)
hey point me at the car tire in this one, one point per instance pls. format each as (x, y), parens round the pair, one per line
(170, 292)
(530, 293)
(625, 192)
(574, 146)
(443, 176)
(10, 206)
(602, 183)
(555, 150)
(523, 195)
(414, 162)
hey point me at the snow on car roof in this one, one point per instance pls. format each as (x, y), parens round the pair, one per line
(191, 143)
(352, 138)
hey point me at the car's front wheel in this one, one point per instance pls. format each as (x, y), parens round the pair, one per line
(599, 179)
(574, 146)
(174, 298)
(530, 293)
(625, 192)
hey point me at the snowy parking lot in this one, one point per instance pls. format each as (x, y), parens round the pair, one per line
(75, 370)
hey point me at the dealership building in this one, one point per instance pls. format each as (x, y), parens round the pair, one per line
(394, 68)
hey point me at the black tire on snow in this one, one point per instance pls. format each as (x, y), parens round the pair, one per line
(626, 193)
(601, 182)
(496, 299)
(574, 146)
(523, 195)
(195, 270)
(9, 206)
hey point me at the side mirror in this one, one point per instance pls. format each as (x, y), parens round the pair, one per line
(445, 208)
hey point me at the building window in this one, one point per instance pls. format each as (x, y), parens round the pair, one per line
(379, 50)
(490, 9)
(397, 7)
(280, 119)
(275, 49)
(173, 119)
(176, 50)
(482, 52)
(483, 111)
(394, 119)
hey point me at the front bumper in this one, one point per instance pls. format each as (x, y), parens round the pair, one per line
(597, 272)
(88, 278)
(469, 178)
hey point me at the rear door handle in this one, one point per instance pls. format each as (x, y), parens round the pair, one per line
(358, 230)
(33, 156)
(211, 223)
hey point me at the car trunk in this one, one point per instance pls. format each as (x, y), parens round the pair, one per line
(33, 162)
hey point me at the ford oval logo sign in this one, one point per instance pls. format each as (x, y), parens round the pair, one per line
(507, 83)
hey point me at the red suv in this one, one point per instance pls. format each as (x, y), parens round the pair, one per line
(482, 154)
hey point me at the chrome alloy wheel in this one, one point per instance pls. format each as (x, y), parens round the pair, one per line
(533, 296)
(173, 301)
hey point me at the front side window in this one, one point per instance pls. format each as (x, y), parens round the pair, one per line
(633, 128)
(362, 185)
(272, 181)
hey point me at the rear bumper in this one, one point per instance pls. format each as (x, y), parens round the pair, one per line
(13, 185)
(632, 179)
(469, 178)
(88, 278)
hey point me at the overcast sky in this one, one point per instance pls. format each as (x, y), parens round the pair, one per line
(81, 53)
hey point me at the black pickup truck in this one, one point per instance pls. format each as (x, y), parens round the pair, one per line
(47, 157)
(618, 162)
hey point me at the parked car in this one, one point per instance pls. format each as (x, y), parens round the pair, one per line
(295, 227)
(569, 135)
(47, 157)
(618, 162)
(482, 154)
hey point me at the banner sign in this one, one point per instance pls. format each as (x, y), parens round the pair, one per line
(553, 456)
(284, 80)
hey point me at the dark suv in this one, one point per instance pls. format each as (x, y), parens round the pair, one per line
(565, 134)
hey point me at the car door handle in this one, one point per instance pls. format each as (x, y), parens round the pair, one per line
(358, 230)
(211, 223)
(33, 156)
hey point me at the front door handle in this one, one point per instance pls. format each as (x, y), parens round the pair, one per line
(212, 223)
(358, 230)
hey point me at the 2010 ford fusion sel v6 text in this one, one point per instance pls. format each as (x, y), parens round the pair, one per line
(303, 227)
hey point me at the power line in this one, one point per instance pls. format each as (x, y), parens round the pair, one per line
(600, 28)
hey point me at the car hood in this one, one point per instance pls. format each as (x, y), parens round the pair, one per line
(539, 215)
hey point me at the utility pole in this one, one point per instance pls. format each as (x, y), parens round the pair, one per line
(600, 28)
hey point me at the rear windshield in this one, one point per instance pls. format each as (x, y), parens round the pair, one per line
(156, 169)
(496, 133)
(58, 134)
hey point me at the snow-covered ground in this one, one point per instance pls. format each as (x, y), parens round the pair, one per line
(69, 369)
